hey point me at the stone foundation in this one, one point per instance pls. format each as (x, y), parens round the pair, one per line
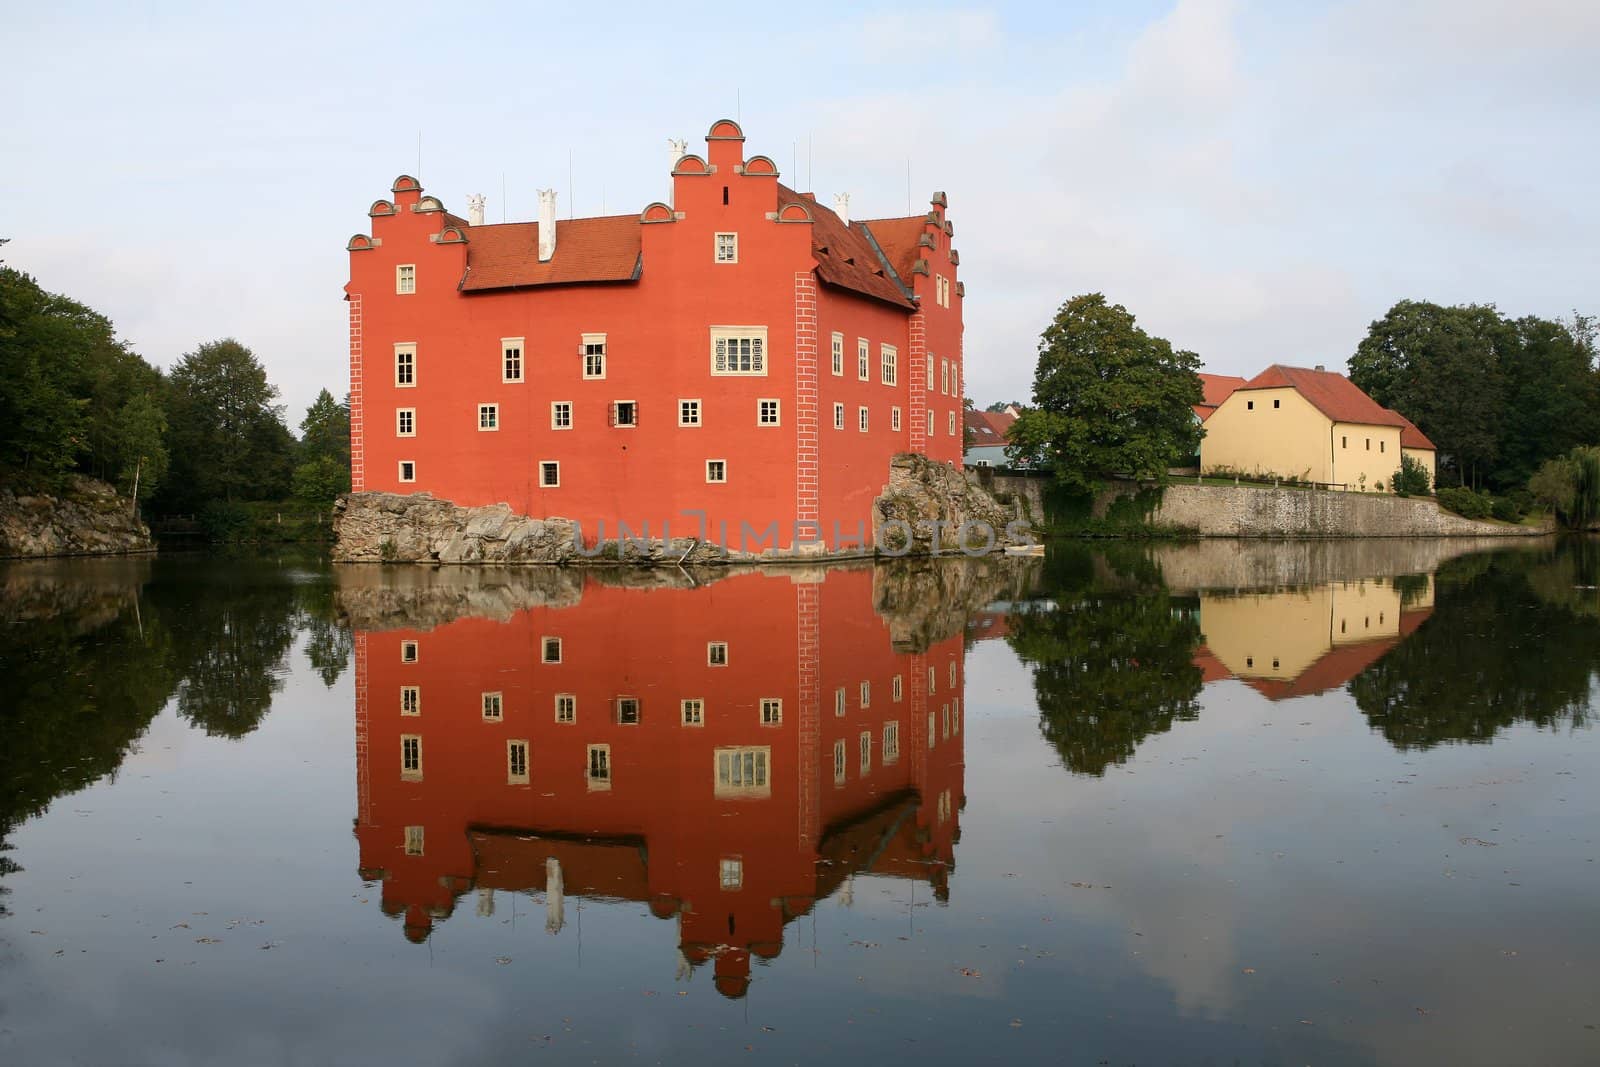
(1262, 511)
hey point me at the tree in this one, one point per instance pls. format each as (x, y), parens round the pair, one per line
(228, 440)
(1412, 478)
(1108, 398)
(1000, 405)
(139, 441)
(319, 481)
(325, 431)
(43, 339)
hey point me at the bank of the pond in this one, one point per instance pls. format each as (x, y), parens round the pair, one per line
(86, 517)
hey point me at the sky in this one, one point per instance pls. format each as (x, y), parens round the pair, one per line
(1256, 182)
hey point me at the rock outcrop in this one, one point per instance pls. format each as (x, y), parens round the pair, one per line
(930, 507)
(87, 518)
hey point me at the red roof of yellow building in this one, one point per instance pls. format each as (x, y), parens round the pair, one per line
(1332, 394)
(1215, 388)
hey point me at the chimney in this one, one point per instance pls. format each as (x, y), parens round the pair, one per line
(475, 209)
(1320, 367)
(841, 207)
(547, 224)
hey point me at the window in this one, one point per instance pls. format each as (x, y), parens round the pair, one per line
(932, 734)
(955, 714)
(838, 762)
(716, 654)
(952, 674)
(566, 709)
(1344, 441)
(930, 424)
(731, 873)
(405, 422)
(413, 839)
(624, 413)
(866, 752)
(488, 416)
(894, 419)
(516, 763)
(766, 413)
(944, 376)
(410, 700)
(742, 772)
(897, 689)
(930, 372)
(688, 413)
(944, 732)
(694, 712)
(561, 414)
(405, 365)
(1249, 405)
(599, 766)
(1369, 444)
(861, 419)
(511, 359)
(408, 652)
(1277, 403)
(838, 354)
(408, 470)
(549, 474)
(405, 279)
(891, 743)
(933, 681)
(727, 248)
(550, 649)
(411, 757)
(866, 694)
(838, 701)
(952, 428)
(863, 358)
(739, 350)
(1381, 444)
(628, 711)
(493, 706)
(838, 416)
(594, 355)
(771, 711)
(889, 360)
(716, 470)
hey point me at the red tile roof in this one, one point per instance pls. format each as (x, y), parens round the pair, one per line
(506, 255)
(845, 256)
(1332, 394)
(898, 238)
(1410, 436)
(1336, 667)
(1214, 390)
(989, 427)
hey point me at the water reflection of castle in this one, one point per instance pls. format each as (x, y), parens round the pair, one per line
(729, 755)
(1300, 642)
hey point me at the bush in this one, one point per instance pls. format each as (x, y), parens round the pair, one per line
(224, 520)
(1506, 509)
(1465, 502)
(1412, 478)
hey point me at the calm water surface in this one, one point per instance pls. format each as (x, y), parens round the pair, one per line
(1198, 804)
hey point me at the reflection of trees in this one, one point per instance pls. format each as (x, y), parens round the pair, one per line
(1111, 666)
(329, 643)
(1505, 644)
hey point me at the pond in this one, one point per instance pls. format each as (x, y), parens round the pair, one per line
(1212, 803)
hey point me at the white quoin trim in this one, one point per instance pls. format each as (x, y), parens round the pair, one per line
(547, 224)
(475, 209)
(841, 207)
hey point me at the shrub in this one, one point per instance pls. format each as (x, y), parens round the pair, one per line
(1412, 478)
(1465, 502)
(1505, 509)
(225, 520)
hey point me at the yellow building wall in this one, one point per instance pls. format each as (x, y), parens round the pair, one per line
(1426, 457)
(1267, 635)
(1289, 440)
(1370, 450)
(1364, 611)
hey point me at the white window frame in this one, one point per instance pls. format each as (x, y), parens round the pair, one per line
(699, 412)
(771, 711)
(409, 651)
(890, 747)
(838, 355)
(407, 349)
(585, 355)
(400, 470)
(410, 773)
(403, 416)
(557, 409)
(761, 411)
(717, 481)
(929, 369)
(601, 780)
(863, 359)
(742, 771)
(716, 653)
(509, 345)
(494, 703)
(725, 247)
(415, 836)
(933, 735)
(863, 420)
(556, 465)
(897, 689)
(726, 335)
(839, 764)
(894, 419)
(514, 748)
(616, 415)
(492, 410)
(889, 364)
(839, 701)
(952, 426)
(730, 874)
(838, 416)
(944, 377)
(405, 279)
(692, 711)
(633, 704)
(864, 745)
(567, 703)
(951, 674)
(411, 697)
(545, 647)
(866, 694)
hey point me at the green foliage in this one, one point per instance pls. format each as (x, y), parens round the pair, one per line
(325, 431)
(1570, 486)
(227, 436)
(139, 440)
(225, 521)
(1465, 502)
(319, 481)
(1412, 478)
(1108, 398)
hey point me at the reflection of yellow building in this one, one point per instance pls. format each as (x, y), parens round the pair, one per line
(1309, 424)
(1303, 641)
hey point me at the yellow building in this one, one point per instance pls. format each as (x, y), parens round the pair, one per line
(1314, 425)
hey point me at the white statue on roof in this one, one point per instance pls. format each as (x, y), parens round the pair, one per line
(475, 209)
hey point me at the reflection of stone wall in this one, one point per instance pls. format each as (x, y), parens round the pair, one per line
(1256, 564)
(1257, 511)
(91, 592)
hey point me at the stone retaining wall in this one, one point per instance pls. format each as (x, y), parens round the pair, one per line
(1262, 511)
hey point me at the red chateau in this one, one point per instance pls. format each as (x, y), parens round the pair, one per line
(744, 351)
(770, 744)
